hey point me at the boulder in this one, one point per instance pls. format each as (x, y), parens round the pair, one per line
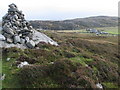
(7, 35)
(9, 40)
(99, 86)
(31, 44)
(2, 38)
(27, 39)
(16, 39)
(22, 41)
(8, 59)
(15, 17)
(2, 77)
(8, 30)
(23, 64)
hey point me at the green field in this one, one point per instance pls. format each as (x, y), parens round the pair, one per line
(70, 31)
(111, 30)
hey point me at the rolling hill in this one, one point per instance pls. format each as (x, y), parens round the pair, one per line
(78, 23)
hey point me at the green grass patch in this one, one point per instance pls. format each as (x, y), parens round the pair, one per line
(111, 30)
(110, 85)
(0, 66)
(81, 60)
(46, 83)
(11, 80)
(72, 31)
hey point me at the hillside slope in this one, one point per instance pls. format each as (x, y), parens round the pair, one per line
(79, 23)
(80, 61)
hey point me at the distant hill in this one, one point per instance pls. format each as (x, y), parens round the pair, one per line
(78, 23)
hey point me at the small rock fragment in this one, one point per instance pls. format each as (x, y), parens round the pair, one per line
(8, 59)
(22, 64)
(2, 77)
(99, 85)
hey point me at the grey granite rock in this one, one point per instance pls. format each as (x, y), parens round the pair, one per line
(2, 38)
(7, 35)
(22, 41)
(27, 39)
(9, 40)
(16, 39)
(40, 37)
(7, 29)
(30, 44)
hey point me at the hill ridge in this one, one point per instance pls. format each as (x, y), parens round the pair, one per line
(78, 23)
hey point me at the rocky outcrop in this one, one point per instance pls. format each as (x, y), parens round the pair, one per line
(17, 31)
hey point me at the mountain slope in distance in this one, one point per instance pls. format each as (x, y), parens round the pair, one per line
(78, 23)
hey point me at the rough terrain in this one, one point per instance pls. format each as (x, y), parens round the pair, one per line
(80, 61)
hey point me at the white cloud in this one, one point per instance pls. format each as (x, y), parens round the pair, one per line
(35, 9)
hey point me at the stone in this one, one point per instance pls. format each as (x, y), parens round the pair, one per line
(17, 23)
(30, 35)
(40, 37)
(16, 39)
(99, 85)
(25, 28)
(86, 65)
(13, 8)
(7, 35)
(20, 35)
(2, 77)
(30, 44)
(8, 59)
(14, 27)
(2, 38)
(27, 39)
(9, 40)
(12, 5)
(30, 27)
(7, 29)
(51, 62)
(15, 17)
(23, 64)
(22, 41)
(5, 16)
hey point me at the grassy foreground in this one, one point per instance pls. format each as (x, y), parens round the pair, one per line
(80, 61)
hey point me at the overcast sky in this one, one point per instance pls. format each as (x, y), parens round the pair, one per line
(62, 9)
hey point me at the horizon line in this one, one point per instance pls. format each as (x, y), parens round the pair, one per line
(70, 18)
